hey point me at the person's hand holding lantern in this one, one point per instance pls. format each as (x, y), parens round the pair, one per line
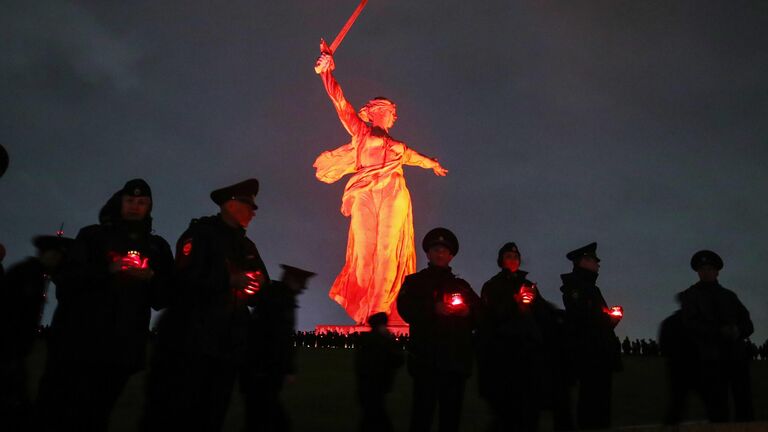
(527, 294)
(247, 282)
(131, 264)
(453, 304)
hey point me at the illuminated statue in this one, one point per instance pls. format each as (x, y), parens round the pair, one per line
(380, 248)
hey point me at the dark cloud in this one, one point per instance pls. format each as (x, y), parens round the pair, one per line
(640, 125)
(61, 46)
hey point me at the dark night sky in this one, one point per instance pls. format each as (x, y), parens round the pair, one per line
(637, 124)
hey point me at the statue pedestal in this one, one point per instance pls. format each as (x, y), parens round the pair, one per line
(395, 329)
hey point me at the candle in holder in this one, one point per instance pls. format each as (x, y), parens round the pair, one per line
(527, 293)
(131, 260)
(453, 301)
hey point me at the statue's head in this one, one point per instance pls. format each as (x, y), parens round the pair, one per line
(379, 111)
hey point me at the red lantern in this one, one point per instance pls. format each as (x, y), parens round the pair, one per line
(253, 285)
(456, 299)
(616, 312)
(453, 301)
(527, 293)
(131, 259)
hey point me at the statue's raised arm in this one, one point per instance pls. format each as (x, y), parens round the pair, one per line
(347, 114)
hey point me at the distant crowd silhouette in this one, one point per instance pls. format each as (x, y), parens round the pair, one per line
(333, 339)
(637, 347)
(226, 322)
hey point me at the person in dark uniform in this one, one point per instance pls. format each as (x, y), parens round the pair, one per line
(594, 348)
(718, 324)
(442, 311)
(115, 273)
(378, 356)
(519, 343)
(22, 297)
(202, 336)
(682, 365)
(270, 360)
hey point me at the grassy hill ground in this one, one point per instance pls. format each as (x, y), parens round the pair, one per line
(322, 398)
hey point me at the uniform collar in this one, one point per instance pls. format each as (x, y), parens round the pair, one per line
(580, 275)
(235, 230)
(519, 274)
(434, 268)
(707, 285)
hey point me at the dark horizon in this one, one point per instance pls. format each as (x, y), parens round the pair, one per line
(637, 125)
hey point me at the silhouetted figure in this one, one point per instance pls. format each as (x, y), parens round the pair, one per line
(270, 360)
(626, 346)
(682, 364)
(202, 336)
(653, 348)
(593, 344)
(22, 297)
(442, 311)
(520, 342)
(718, 324)
(377, 358)
(116, 271)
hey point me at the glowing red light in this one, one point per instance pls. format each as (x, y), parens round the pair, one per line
(132, 259)
(527, 293)
(616, 312)
(254, 283)
(453, 301)
(456, 299)
(187, 248)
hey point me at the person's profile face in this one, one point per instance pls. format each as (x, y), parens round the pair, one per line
(295, 284)
(240, 212)
(590, 263)
(708, 273)
(511, 261)
(439, 255)
(135, 208)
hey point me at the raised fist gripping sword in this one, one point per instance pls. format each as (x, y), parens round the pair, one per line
(324, 48)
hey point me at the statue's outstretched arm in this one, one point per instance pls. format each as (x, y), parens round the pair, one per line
(412, 157)
(347, 114)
